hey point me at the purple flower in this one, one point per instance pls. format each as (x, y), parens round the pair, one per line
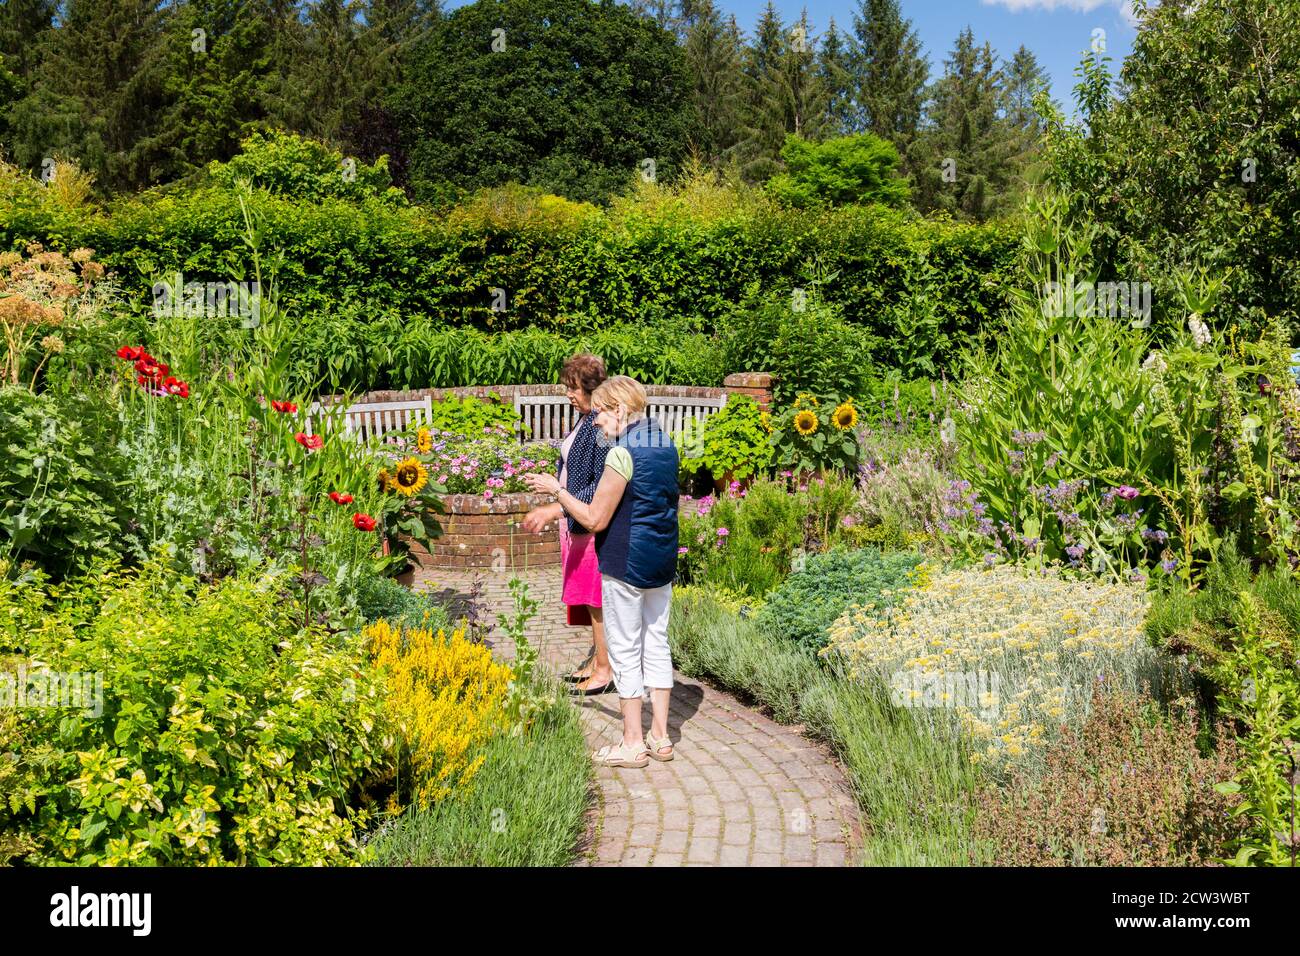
(1075, 551)
(1169, 566)
(723, 532)
(681, 551)
(1127, 492)
(1155, 534)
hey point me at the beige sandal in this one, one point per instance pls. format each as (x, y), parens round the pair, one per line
(621, 756)
(654, 745)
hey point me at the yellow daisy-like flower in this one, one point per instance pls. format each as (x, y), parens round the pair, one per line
(804, 399)
(805, 423)
(385, 480)
(424, 441)
(409, 477)
(845, 417)
(766, 420)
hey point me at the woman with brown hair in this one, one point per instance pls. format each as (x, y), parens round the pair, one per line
(582, 462)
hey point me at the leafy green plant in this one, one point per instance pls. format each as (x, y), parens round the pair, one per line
(810, 600)
(1265, 697)
(221, 731)
(60, 475)
(472, 417)
(732, 444)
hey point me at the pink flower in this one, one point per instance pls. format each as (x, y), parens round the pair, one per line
(682, 550)
(1127, 492)
(723, 532)
(487, 495)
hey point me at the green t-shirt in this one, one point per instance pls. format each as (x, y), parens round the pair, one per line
(620, 459)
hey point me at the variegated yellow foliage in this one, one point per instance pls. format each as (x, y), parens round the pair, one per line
(445, 699)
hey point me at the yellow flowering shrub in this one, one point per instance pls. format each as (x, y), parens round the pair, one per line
(1007, 657)
(445, 697)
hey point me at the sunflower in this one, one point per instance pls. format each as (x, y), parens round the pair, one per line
(409, 477)
(845, 417)
(385, 480)
(804, 399)
(805, 422)
(766, 420)
(424, 441)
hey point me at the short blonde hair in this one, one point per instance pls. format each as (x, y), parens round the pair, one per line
(622, 392)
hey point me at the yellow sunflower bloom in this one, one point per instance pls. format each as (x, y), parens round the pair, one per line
(845, 417)
(409, 477)
(805, 423)
(766, 420)
(385, 480)
(424, 441)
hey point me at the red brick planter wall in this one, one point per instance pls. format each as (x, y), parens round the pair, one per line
(478, 533)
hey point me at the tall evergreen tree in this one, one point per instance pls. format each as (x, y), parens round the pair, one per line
(967, 162)
(1024, 79)
(890, 70)
(806, 95)
(219, 57)
(835, 69)
(765, 99)
(98, 92)
(713, 63)
(25, 27)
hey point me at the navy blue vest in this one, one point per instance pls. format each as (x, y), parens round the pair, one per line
(639, 546)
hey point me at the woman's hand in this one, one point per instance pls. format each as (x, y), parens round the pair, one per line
(535, 521)
(543, 484)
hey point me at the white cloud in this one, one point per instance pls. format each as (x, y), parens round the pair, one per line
(1125, 7)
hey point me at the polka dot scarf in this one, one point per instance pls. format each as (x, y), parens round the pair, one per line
(586, 463)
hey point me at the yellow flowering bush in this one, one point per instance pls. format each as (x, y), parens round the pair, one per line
(445, 697)
(1007, 657)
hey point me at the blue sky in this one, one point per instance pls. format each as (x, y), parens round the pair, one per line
(1057, 31)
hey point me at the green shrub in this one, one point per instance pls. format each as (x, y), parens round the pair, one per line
(735, 442)
(298, 168)
(1130, 787)
(809, 601)
(381, 597)
(222, 732)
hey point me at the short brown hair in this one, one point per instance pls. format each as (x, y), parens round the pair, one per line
(584, 371)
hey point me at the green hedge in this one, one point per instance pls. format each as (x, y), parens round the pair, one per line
(377, 285)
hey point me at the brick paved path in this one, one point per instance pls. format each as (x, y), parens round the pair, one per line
(742, 790)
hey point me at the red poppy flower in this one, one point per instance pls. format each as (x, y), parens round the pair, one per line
(174, 386)
(340, 499)
(310, 442)
(363, 522)
(287, 407)
(132, 353)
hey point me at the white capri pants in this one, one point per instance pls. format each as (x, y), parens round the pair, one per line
(636, 630)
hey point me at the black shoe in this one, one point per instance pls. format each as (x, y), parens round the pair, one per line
(576, 691)
(591, 656)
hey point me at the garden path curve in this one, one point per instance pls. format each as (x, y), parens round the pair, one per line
(742, 790)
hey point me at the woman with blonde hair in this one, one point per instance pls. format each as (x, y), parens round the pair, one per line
(634, 515)
(582, 461)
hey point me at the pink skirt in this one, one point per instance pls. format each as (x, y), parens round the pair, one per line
(581, 572)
